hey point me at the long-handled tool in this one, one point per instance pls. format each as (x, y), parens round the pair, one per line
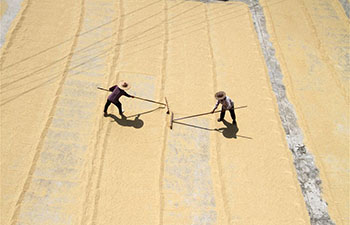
(186, 117)
(196, 115)
(160, 103)
(167, 105)
(201, 114)
(103, 89)
(147, 100)
(171, 120)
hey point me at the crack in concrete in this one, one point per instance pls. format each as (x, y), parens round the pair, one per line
(304, 162)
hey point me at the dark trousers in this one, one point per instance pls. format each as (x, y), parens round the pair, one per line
(232, 112)
(118, 104)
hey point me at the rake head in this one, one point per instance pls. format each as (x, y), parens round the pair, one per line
(167, 106)
(171, 120)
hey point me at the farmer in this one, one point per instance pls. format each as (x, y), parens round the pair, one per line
(117, 92)
(227, 104)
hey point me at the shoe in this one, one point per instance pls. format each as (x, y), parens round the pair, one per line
(219, 120)
(234, 122)
(105, 114)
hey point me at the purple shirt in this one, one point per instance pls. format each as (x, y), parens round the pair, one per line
(116, 94)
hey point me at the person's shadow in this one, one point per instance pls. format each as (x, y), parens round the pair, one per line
(230, 131)
(123, 121)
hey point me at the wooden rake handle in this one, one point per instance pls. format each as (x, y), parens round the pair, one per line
(202, 114)
(149, 100)
(103, 89)
(143, 99)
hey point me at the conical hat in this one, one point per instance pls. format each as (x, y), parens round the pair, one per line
(124, 85)
(220, 95)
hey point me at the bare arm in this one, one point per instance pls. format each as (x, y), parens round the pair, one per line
(216, 106)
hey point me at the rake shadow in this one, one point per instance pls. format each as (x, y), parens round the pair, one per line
(230, 131)
(146, 112)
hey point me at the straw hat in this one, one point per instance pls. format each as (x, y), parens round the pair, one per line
(220, 95)
(124, 85)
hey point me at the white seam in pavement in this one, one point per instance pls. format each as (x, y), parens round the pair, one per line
(307, 172)
(346, 7)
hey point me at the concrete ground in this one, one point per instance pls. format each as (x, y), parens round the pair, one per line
(285, 64)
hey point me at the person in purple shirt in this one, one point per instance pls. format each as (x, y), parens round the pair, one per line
(117, 91)
(227, 104)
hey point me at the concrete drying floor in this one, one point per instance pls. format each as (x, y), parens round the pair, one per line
(284, 63)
